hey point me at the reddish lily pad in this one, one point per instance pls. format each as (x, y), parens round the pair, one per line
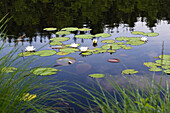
(113, 60)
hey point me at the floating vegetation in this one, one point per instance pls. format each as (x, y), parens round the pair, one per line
(137, 33)
(151, 64)
(135, 43)
(44, 71)
(164, 57)
(63, 33)
(103, 35)
(8, 69)
(22, 54)
(69, 50)
(111, 51)
(129, 71)
(73, 45)
(60, 39)
(45, 53)
(28, 97)
(126, 47)
(65, 61)
(155, 69)
(50, 29)
(167, 71)
(128, 38)
(96, 75)
(56, 43)
(70, 29)
(62, 53)
(84, 36)
(113, 60)
(84, 29)
(111, 46)
(151, 34)
(86, 53)
(108, 41)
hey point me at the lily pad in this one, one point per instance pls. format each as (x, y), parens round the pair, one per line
(96, 75)
(164, 62)
(165, 67)
(111, 46)
(45, 52)
(108, 41)
(70, 29)
(126, 47)
(135, 42)
(122, 38)
(63, 33)
(155, 69)
(102, 51)
(44, 71)
(151, 64)
(57, 39)
(56, 43)
(113, 60)
(8, 69)
(86, 53)
(84, 36)
(111, 51)
(137, 33)
(167, 71)
(84, 29)
(62, 53)
(129, 71)
(69, 50)
(164, 57)
(50, 29)
(64, 61)
(120, 43)
(26, 54)
(151, 34)
(103, 35)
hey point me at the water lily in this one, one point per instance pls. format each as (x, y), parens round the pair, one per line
(94, 40)
(30, 48)
(144, 39)
(83, 49)
(73, 45)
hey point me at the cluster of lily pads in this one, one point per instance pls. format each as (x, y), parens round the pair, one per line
(163, 64)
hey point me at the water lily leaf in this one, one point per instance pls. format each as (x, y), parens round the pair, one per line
(44, 71)
(120, 43)
(129, 71)
(8, 69)
(165, 67)
(155, 69)
(62, 53)
(56, 43)
(63, 33)
(113, 60)
(126, 47)
(84, 36)
(91, 50)
(86, 53)
(102, 51)
(97, 49)
(164, 62)
(95, 52)
(137, 33)
(64, 61)
(70, 29)
(45, 52)
(57, 39)
(164, 57)
(111, 46)
(122, 38)
(167, 71)
(96, 75)
(135, 42)
(50, 29)
(108, 41)
(151, 34)
(69, 50)
(28, 97)
(111, 51)
(103, 35)
(84, 29)
(151, 64)
(26, 54)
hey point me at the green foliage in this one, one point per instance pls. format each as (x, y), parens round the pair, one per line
(103, 35)
(45, 53)
(50, 29)
(63, 33)
(70, 29)
(84, 36)
(96, 75)
(129, 71)
(44, 71)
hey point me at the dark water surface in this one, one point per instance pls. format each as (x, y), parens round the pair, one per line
(117, 17)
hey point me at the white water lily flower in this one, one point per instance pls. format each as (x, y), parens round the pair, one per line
(30, 48)
(94, 40)
(144, 39)
(73, 45)
(83, 49)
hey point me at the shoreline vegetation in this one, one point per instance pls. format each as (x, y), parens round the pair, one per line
(20, 91)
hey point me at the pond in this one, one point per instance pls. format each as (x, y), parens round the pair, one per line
(117, 18)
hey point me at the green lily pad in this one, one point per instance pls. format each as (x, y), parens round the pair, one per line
(45, 52)
(111, 51)
(120, 43)
(129, 71)
(26, 54)
(151, 64)
(167, 71)
(86, 53)
(44, 71)
(111, 46)
(91, 50)
(70, 29)
(69, 50)
(62, 53)
(108, 41)
(57, 39)
(155, 69)
(8, 69)
(97, 49)
(50, 29)
(137, 33)
(164, 57)
(96, 75)
(165, 67)
(164, 62)
(84, 36)
(56, 43)
(84, 29)
(122, 38)
(135, 42)
(64, 61)
(126, 47)
(103, 35)
(102, 51)
(63, 33)
(151, 34)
